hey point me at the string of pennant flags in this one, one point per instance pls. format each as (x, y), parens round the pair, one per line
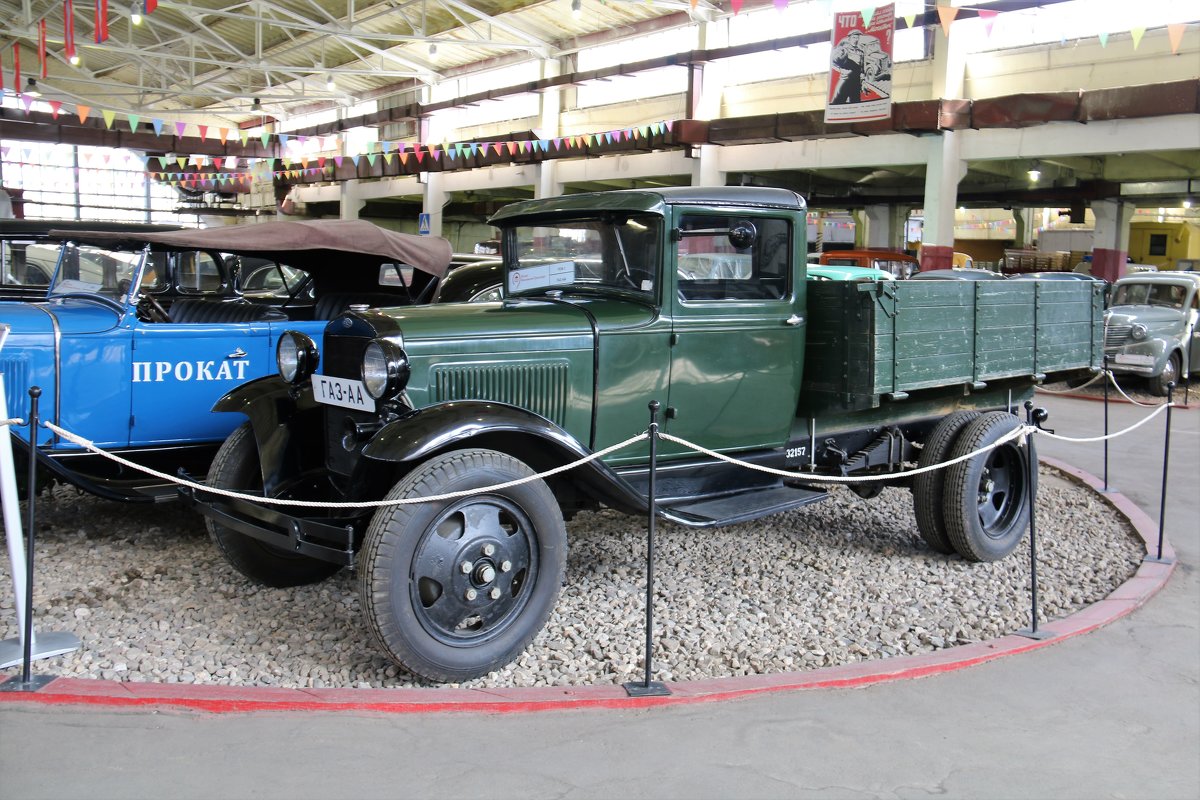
(182, 170)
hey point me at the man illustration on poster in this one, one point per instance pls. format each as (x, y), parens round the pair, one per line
(860, 67)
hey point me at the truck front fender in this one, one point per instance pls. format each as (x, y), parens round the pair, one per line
(533, 439)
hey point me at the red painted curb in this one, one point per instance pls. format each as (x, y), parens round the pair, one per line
(1148, 580)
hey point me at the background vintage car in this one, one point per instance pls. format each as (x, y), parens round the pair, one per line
(141, 333)
(28, 255)
(1151, 328)
(902, 265)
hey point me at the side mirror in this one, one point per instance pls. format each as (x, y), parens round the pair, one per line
(742, 235)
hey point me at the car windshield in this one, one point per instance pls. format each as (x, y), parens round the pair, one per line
(1150, 294)
(94, 270)
(615, 253)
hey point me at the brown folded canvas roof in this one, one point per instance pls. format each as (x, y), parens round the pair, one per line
(308, 244)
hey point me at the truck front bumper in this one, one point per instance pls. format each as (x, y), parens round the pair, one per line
(332, 539)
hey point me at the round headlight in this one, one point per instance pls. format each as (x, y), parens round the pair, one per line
(1138, 331)
(385, 369)
(296, 357)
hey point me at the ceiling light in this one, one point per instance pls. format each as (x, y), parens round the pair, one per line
(31, 88)
(74, 59)
(432, 50)
(135, 14)
(576, 8)
(256, 105)
(1034, 173)
(330, 83)
(1187, 202)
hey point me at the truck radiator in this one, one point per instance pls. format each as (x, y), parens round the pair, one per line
(539, 387)
(15, 370)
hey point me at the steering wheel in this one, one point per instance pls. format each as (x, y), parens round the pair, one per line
(155, 310)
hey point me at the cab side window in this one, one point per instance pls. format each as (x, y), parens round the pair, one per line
(733, 258)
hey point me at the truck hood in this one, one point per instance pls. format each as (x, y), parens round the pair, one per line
(74, 317)
(524, 318)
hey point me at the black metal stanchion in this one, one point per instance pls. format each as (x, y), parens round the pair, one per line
(1033, 417)
(649, 688)
(1162, 505)
(1107, 376)
(28, 682)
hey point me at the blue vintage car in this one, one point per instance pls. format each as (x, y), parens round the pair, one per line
(141, 333)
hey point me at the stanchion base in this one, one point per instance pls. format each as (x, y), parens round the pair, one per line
(45, 645)
(35, 683)
(1030, 633)
(651, 689)
(1156, 560)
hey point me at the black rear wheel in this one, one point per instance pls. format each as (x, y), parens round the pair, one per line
(928, 487)
(986, 498)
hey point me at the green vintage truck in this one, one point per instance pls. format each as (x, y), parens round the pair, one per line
(692, 297)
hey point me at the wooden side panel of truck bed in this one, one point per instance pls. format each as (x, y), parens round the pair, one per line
(867, 341)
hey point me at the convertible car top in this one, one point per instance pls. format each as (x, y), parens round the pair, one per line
(302, 243)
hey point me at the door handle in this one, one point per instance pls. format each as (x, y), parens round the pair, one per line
(794, 319)
(239, 353)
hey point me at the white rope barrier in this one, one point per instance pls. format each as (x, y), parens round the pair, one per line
(16, 422)
(1113, 380)
(1161, 408)
(79, 440)
(1020, 432)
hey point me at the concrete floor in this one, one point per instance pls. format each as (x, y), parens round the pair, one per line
(1114, 713)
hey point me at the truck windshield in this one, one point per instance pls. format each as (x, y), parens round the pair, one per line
(619, 253)
(1150, 294)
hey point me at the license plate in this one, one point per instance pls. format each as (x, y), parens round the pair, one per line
(1133, 358)
(342, 392)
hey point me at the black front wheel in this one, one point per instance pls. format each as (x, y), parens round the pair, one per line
(454, 589)
(986, 498)
(1169, 374)
(235, 468)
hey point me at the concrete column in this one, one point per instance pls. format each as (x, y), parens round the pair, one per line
(705, 169)
(434, 200)
(548, 127)
(949, 62)
(943, 170)
(1110, 242)
(881, 226)
(351, 203)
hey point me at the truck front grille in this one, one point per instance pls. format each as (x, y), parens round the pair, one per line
(540, 387)
(15, 370)
(1115, 335)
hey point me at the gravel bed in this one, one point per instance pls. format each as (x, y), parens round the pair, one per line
(834, 583)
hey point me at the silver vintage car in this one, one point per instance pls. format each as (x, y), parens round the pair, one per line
(1150, 328)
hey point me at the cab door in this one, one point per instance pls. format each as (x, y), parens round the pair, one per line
(737, 341)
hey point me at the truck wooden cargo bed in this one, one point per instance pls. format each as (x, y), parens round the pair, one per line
(873, 341)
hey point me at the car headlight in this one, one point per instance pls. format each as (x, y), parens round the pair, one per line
(296, 357)
(385, 369)
(1138, 331)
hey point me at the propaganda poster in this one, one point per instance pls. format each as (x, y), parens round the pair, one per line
(860, 66)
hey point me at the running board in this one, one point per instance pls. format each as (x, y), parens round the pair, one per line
(743, 506)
